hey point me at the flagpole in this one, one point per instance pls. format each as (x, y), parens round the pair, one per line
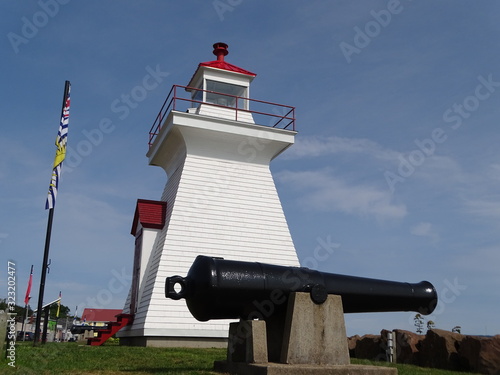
(43, 277)
(26, 302)
(24, 321)
(47, 246)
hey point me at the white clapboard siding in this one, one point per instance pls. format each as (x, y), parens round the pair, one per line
(218, 204)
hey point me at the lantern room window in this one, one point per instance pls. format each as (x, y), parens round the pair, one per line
(197, 95)
(224, 94)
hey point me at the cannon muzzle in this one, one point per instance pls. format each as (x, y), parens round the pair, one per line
(215, 288)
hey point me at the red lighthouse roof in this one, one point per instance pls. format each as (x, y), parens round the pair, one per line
(151, 214)
(220, 50)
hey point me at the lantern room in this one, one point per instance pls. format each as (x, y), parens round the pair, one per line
(218, 86)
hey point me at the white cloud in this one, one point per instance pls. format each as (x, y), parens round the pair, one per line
(480, 196)
(495, 171)
(316, 146)
(437, 169)
(421, 229)
(323, 192)
(84, 213)
(424, 229)
(16, 157)
(487, 209)
(479, 262)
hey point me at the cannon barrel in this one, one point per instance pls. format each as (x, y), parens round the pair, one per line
(215, 288)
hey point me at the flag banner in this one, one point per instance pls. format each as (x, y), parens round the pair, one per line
(62, 136)
(58, 305)
(28, 290)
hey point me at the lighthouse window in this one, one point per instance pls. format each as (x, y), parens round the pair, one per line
(224, 94)
(198, 95)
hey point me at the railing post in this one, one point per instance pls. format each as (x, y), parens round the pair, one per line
(175, 97)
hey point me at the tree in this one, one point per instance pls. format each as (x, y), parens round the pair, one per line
(430, 325)
(20, 311)
(63, 311)
(419, 323)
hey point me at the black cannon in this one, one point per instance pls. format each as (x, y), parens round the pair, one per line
(215, 288)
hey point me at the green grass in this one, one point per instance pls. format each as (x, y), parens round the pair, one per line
(72, 358)
(112, 359)
(408, 369)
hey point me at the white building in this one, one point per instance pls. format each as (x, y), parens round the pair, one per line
(215, 145)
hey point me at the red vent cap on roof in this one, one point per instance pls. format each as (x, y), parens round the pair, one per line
(220, 50)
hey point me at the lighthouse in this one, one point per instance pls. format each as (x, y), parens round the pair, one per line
(215, 144)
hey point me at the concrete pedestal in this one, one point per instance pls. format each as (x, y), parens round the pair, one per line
(314, 334)
(311, 339)
(235, 368)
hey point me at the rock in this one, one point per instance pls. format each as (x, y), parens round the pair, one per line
(351, 344)
(407, 346)
(374, 347)
(370, 347)
(480, 354)
(439, 349)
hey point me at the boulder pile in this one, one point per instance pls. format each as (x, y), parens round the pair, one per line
(437, 349)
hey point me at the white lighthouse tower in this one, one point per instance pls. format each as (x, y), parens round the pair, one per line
(215, 145)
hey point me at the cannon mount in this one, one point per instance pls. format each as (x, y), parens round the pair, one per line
(291, 318)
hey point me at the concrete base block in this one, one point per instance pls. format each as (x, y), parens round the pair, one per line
(239, 368)
(314, 334)
(311, 339)
(247, 342)
(174, 342)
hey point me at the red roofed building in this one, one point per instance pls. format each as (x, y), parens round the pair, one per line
(149, 219)
(99, 317)
(98, 325)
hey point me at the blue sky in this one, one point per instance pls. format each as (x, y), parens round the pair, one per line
(395, 171)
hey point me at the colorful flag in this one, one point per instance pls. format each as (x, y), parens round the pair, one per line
(62, 136)
(28, 291)
(58, 305)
